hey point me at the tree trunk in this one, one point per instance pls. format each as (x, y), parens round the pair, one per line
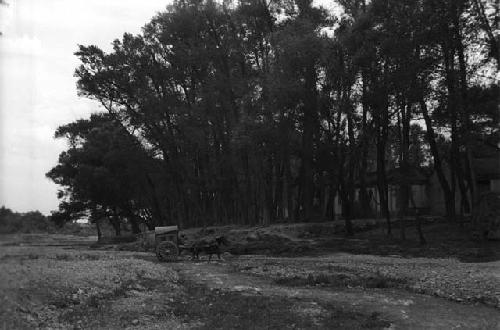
(344, 195)
(448, 194)
(381, 172)
(115, 221)
(464, 107)
(404, 167)
(364, 198)
(308, 141)
(418, 221)
(382, 186)
(98, 227)
(157, 211)
(352, 159)
(134, 221)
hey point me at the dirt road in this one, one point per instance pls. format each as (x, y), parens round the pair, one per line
(402, 309)
(59, 282)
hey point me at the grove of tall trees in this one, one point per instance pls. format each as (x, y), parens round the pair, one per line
(258, 111)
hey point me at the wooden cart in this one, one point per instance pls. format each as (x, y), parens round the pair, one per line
(167, 243)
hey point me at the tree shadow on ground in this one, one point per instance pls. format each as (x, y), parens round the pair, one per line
(443, 240)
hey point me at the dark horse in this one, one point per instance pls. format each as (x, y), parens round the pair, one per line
(209, 247)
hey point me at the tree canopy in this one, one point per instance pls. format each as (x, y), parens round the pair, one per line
(251, 112)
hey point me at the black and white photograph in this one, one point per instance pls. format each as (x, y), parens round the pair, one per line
(250, 164)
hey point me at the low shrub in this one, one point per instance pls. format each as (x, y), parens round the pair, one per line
(30, 222)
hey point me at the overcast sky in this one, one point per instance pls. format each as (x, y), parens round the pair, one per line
(37, 87)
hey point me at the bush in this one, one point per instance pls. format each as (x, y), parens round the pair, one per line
(30, 222)
(35, 222)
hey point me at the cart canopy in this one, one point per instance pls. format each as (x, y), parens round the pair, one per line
(166, 230)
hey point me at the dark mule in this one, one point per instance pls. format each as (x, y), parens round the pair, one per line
(208, 247)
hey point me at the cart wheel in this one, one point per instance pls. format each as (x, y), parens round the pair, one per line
(167, 251)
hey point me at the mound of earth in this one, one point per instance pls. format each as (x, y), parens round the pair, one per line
(278, 239)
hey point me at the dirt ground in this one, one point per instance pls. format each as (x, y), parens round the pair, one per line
(61, 282)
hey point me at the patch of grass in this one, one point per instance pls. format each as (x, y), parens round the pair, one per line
(269, 246)
(313, 280)
(93, 310)
(64, 257)
(75, 257)
(117, 240)
(375, 321)
(342, 280)
(215, 309)
(444, 240)
(382, 282)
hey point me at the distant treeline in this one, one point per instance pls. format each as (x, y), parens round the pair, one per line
(29, 222)
(257, 111)
(12, 222)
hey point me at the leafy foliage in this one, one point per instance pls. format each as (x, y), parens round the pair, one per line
(248, 113)
(30, 222)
